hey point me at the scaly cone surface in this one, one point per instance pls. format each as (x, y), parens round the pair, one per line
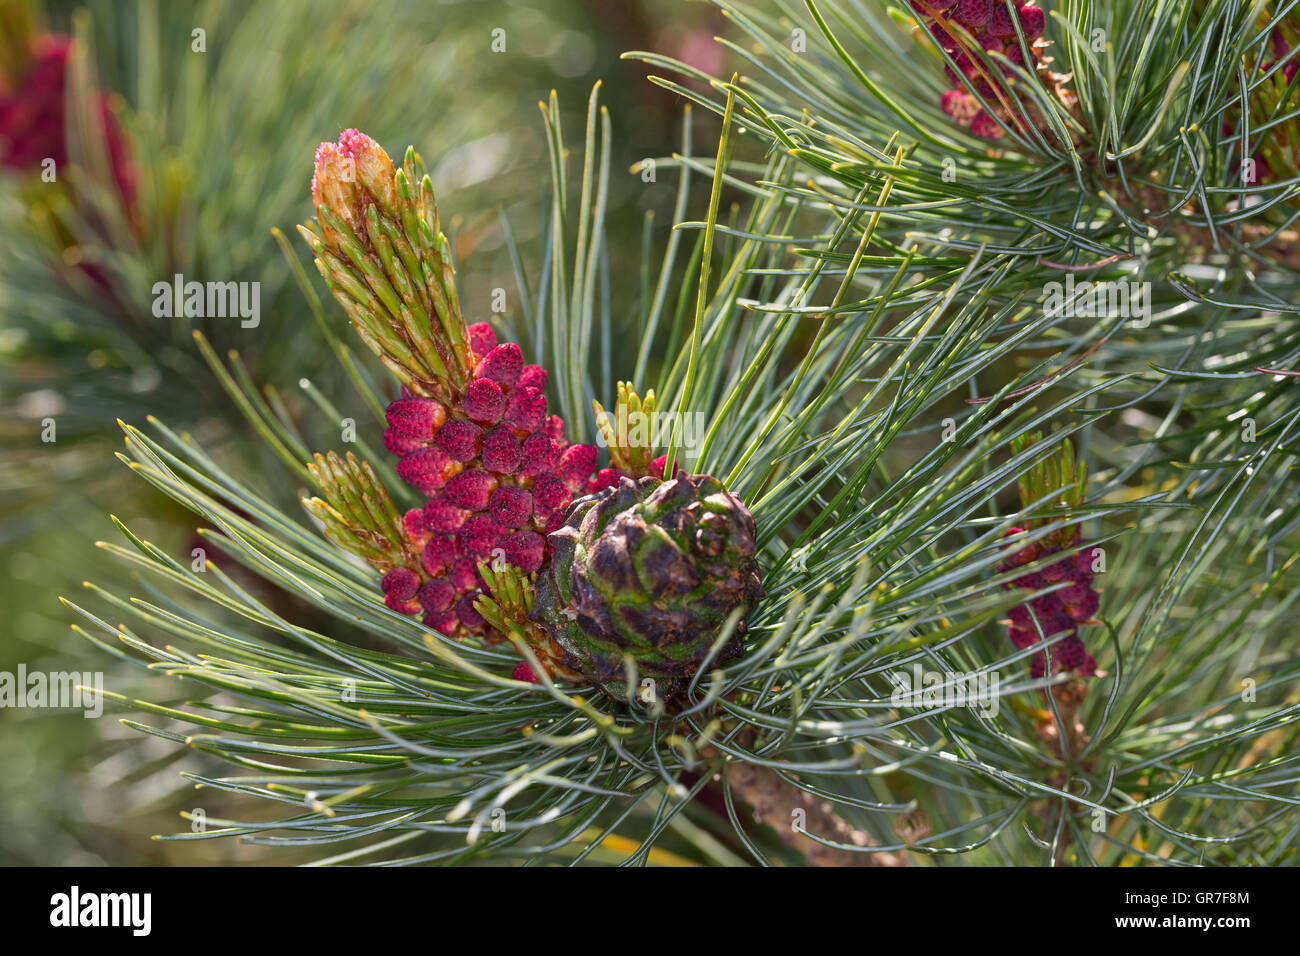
(471, 428)
(650, 570)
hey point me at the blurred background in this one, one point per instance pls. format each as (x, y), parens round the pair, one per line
(140, 140)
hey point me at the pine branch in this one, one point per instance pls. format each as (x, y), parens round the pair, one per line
(879, 454)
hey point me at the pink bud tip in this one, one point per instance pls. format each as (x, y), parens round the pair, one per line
(985, 127)
(501, 451)
(1084, 608)
(326, 155)
(942, 37)
(437, 555)
(425, 470)
(467, 613)
(484, 401)
(555, 428)
(576, 465)
(400, 584)
(1074, 593)
(537, 454)
(1056, 573)
(445, 622)
(1031, 582)
(410, 606)
(415, 417)
(1278, 42)
(1070, 654)
(469, 489)
(442, 516)
(464, 574)
(436, 596)
(532, 376)
(1000, 22)
(550, 495)
(1023, 637)
(606, 478)
(657, 466)
(1032, 21)
(511, 507)
(525, 550)
(527, 408)
(1052, 615)
(973, 14)
(482, 339)
(353, 142)
(478, 537)
(413, 524)
(503, 364)
(524, 672)
(349, 175)
(399, 444)
(459, 438)
(960, 105)
(985, 89)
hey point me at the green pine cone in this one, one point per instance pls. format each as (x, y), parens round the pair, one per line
(649, 568)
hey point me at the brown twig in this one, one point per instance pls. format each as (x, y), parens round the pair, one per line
(793, 813)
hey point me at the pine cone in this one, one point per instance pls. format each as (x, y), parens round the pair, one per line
(651, 569)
